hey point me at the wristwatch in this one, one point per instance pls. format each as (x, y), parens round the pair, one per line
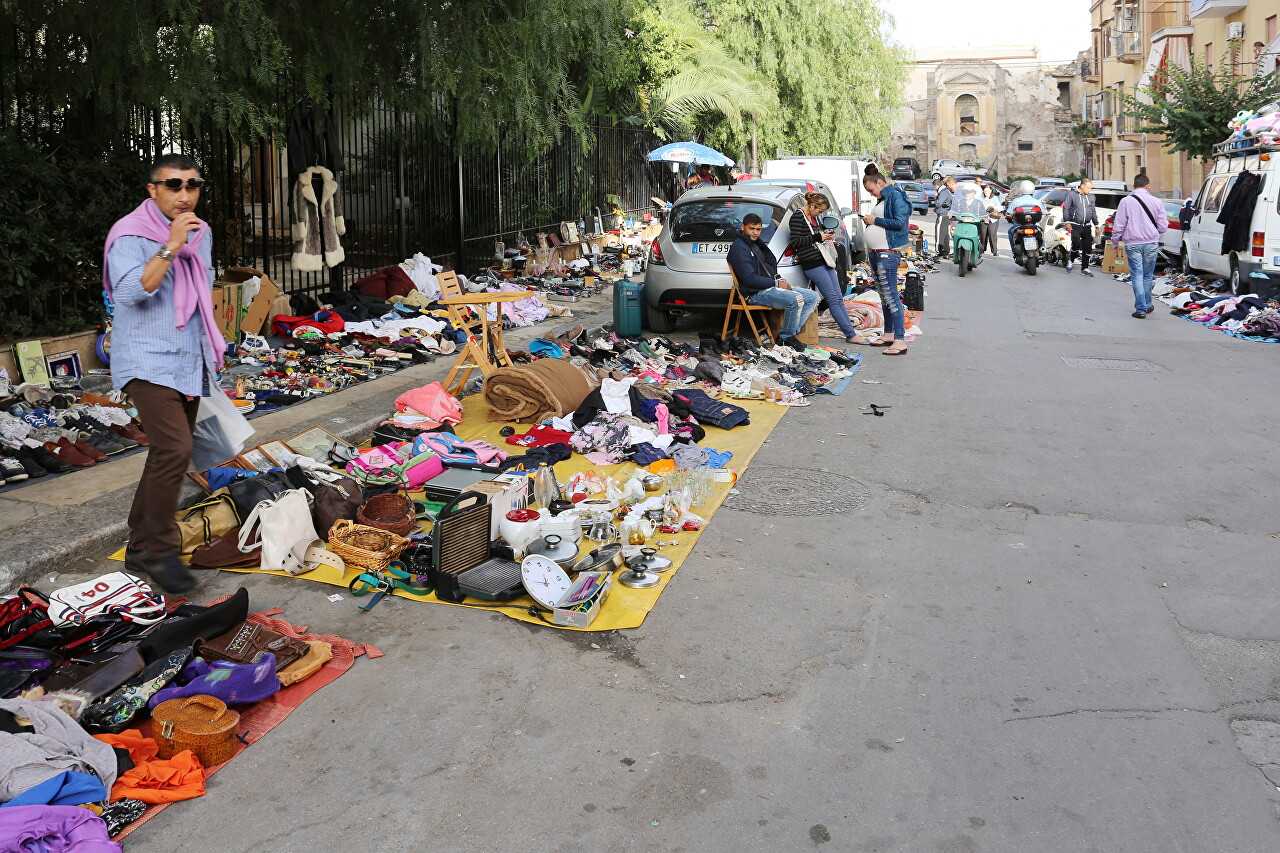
(165, 254)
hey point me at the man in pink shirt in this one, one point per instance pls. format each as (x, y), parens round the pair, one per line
(1140, 220)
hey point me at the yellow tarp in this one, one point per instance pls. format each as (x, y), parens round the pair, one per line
(623, 608)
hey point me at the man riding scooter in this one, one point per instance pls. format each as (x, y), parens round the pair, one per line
(967, 211)
(1024, 211)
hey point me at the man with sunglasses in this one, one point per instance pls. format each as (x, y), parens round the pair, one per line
(165, 345)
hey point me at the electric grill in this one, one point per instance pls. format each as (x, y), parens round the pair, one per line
(464, 561)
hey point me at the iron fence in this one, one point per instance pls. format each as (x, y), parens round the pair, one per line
(404, 188)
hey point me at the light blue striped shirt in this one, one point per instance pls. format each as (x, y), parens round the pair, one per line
(145, 342)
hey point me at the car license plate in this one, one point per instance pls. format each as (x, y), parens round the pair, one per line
(711, 248)
(1030, 244)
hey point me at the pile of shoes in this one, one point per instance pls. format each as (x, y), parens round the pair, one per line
(52, 433)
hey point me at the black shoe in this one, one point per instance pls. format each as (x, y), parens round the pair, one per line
(11, 470)
(710, 346)
(107, 443)
(795, 343)
(169, 574)
(135, 560)
(48, 461)
(27, 460)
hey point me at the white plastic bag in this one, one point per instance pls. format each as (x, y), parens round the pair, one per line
(221, 431)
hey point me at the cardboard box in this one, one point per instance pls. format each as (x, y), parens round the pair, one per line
(1114, 260)
(226, 308)
(259, 311)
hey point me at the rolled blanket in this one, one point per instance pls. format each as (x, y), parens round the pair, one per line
(547, 388)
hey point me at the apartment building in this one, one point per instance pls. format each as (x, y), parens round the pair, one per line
(1134, 39)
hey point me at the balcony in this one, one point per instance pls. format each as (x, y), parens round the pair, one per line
(1129, 47)
(1089, 70)
(1216, 8)
(1169, 19)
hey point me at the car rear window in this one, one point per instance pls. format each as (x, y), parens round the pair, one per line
(719, 219)
(1107, 200)
(903, 162)
(1053, 198)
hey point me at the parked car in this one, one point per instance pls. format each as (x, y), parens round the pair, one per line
(688, 263)
(844, 176)
(1257, 269)
(1171, 240)
(920, 194)
(1106, 198)
(1050, 182)
(906, 168)
(942, 168)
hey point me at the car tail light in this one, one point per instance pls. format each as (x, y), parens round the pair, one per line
(788, 258)
(1259, 237)
(679, 302)
(1175, 225)
(655, 255)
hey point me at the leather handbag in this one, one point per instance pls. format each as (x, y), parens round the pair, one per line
(250, 492)
(247, 643)
(334, 501)
(283, 529)
(203, 522)
(224, 553)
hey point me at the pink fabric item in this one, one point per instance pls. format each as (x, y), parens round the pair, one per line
(432, 402)
(191, 289)
(54, 829)
(663, 416)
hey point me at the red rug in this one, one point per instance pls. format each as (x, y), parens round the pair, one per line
(262, 717)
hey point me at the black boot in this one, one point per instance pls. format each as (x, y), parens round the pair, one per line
(170, 575)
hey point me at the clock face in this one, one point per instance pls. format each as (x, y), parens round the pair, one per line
(544, 580)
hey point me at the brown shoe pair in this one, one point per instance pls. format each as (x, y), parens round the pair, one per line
(133, 432)
(66, 451)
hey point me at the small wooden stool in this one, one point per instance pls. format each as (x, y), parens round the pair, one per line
(739, 305)
(484, 348)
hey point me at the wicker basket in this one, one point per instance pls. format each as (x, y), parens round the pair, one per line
(202, 724)
(364, 547)
(391, 512)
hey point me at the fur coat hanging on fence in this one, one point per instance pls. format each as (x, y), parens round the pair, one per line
(317, 223)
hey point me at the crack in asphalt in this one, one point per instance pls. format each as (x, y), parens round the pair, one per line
(1136, 713)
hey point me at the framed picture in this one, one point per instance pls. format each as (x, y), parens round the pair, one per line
(315, 442)
(274, 450)
(258, 459)
(203, 481)
(64, 365)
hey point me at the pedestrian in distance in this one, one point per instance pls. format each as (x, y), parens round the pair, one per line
(702, 177)
(886, 234)
(988, 231)
(942, 206)
(165, 346)
(1080, 213)
(1140, 220)
(813, 247)
(756, 269)
(738, 175)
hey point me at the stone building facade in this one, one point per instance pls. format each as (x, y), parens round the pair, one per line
(1000, 108)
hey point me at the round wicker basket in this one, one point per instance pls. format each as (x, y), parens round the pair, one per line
(364, 547)
(391, 512)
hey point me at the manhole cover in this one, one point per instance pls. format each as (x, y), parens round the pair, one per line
(1109, 363)
(766, 490)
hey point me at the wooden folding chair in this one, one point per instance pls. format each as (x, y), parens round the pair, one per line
(483, 348)
(739, 306)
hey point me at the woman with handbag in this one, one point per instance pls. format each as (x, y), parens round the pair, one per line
(817, 256)
(987, 232)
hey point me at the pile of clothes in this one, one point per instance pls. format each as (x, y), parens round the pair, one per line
(1246, 316)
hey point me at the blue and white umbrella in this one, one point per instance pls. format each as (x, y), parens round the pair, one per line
(688, 152)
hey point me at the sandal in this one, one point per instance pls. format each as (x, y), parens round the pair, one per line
(881, 343)
(860, 341)
(902, 351)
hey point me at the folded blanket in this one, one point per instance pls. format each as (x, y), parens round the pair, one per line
(547, 388)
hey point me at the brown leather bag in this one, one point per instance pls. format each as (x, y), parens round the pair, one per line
(247, 643)
(224, 553)
(334, 502)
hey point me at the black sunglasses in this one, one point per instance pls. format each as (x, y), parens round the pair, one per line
(176, 184)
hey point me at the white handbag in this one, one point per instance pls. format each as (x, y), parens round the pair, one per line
(283, 529)
(825, 248)
(116, 592)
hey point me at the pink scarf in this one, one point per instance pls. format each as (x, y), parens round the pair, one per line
(191, 290)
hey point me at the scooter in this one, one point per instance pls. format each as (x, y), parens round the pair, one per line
(1057, 243)
(1028, 239)
(965, 245)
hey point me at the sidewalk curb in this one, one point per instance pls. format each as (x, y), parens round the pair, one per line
(50, 543)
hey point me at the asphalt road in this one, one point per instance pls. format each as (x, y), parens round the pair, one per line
(1045, 620)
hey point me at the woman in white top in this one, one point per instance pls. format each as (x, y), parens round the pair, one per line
(987, 231)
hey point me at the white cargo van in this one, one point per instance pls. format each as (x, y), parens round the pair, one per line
(1257, 268)
(844, 176)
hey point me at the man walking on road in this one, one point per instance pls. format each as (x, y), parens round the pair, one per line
(1140, 220)
(942, 205)
(1080, 213)
(165, 345)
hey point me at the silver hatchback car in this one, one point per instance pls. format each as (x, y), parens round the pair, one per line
(688, 264)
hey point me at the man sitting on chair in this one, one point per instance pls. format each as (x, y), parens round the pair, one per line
(756, 268)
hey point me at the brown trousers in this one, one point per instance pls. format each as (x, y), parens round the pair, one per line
(168, 418)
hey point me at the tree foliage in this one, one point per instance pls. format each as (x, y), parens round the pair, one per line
(1190, 107)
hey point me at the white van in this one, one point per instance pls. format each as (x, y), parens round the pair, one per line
(844, 176)
(1257, 268)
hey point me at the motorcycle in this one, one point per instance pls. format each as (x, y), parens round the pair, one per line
(965, 244)
(1028, 239)
(1057, 243)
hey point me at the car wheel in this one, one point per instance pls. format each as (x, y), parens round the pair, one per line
(1236, 283)
(658, 321)
(937, 176)
(1185, 262)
